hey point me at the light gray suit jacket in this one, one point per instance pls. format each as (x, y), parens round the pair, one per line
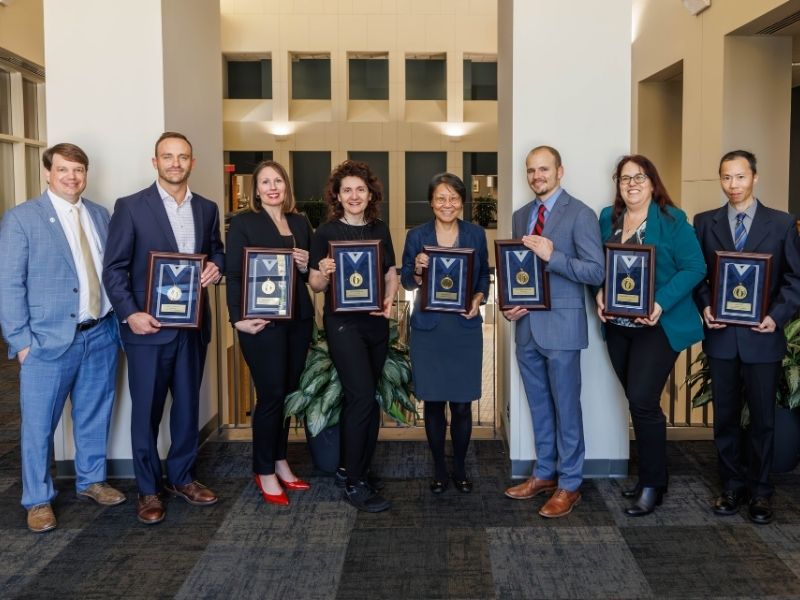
(39, 296)
(578, 260)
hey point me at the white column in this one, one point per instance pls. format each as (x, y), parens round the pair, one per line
(118, 75)
(564, 80)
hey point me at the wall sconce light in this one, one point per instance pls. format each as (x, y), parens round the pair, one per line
(281, 131)
(454, 131)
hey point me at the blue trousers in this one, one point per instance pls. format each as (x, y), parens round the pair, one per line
(87, 373)
(154, 370)
(552, 380)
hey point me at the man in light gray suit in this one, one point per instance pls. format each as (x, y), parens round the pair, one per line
(56, 321)
(564, 233)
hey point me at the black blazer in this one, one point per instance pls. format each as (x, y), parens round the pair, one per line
(772, 232)
(257, 229)
(140, 224)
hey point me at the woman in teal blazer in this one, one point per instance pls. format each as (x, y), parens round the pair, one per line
(643, 350)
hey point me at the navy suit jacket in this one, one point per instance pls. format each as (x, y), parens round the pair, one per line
(39, 296)
(469, 236)
(577, 261)
(772, 232)
(140, 225)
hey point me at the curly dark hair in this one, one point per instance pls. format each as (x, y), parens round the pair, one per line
(352, 168)
(660, 194)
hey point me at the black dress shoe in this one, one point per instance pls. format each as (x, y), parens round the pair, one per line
(361, 495)
(340, 478)
(438, 486)
(760, 511)
(728, 502)
(648, 499)
(632, 492)
(462, 485)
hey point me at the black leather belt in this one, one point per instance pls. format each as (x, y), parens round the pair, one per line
(89, 323)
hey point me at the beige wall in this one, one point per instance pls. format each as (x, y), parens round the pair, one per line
(714, 91)
(21, 29)
(276, 27)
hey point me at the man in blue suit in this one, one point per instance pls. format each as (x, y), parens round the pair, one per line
(165, 217)
(56, 321)
(564, 233)
(745, 362)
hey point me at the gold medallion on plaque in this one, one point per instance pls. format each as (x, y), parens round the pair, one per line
(268, 287)
(522, 278)
(628, 283)
(356, 280)
(739, 292)
(446, 282)
(174, 293)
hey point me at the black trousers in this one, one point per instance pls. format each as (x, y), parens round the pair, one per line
(642, 359)
(358, 345)
(737, 471)
(276, 356)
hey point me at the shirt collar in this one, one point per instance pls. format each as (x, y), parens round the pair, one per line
(550, 202)
(62, 205)
(166, 195)
(750, 211)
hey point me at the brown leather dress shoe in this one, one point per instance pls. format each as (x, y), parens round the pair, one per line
(560, 503)
(194, 493)
(102, 493)
(150, 509)
(530, 488)
(41, 518)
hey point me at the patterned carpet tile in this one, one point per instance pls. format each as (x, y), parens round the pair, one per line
(574, 562)
(24, 556)
(440, 562)
(710, 562)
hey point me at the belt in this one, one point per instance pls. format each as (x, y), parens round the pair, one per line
(89, 323)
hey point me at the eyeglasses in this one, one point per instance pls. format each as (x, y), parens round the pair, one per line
(442, 200)
(625, 180)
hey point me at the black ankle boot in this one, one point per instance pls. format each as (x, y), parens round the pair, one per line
(648, 499)
(632, 492)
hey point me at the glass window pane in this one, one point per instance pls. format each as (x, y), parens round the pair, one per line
(426, 79)
(379, 163)
(369, 79)
(310, 171)
(311, 78)
(480, 80)
(30, 106)
(420, 168)
(246, 161)
(6, 175)
(33, 185)
(250, 79)
(5, 102)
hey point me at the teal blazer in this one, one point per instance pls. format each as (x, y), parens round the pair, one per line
(680, 266)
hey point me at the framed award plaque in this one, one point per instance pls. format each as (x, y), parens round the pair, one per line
(174, 295)
(740, 287)
(629, 287)
(267, 283)
(521, 277)
(447, 282)
(357, 283)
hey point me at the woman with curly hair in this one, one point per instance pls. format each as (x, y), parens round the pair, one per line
(358, 342)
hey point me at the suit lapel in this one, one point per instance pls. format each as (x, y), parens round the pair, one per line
(652, 232)
(156, 205)
(429, 234)
(197, 213)
(556, 215)
(48, 214)
(722, 229)
(99, 224)
(759, 229)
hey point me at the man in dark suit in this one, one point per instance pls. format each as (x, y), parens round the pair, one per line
(564, 233)
(746, 361)
(56, 321)
(165, 217)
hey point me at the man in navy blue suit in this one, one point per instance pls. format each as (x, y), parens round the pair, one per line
(165, 217)
(745, 362)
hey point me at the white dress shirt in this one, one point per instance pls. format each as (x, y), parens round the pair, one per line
(65, 211)
(180, 218)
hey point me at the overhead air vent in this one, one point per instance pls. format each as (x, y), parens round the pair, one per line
(782, 24)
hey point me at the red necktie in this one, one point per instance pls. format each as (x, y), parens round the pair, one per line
(537, 228)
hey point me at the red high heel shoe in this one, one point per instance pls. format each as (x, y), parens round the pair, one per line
(281, 499)
(297, 484)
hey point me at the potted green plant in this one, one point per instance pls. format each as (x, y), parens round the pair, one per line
(787, 420)
(317, 403)
(484, 210)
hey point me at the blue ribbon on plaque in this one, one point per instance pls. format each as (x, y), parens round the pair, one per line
(357, 283)
(268, 285)
(447, 283)
(740, 288)
(176, 292)
(629, 289)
